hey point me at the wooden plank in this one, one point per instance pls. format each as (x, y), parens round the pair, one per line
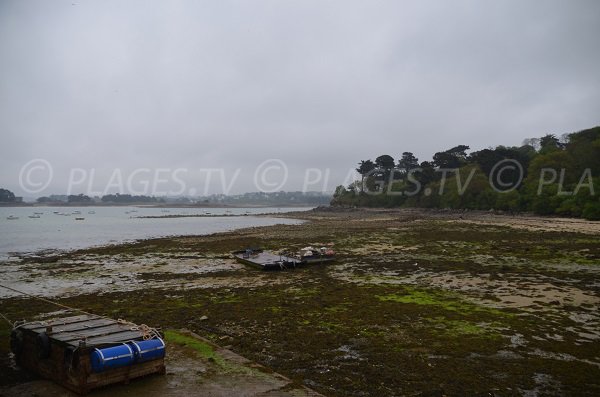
(44, 323)
(84, 325)
(93, 332)
(263, 259)
(115, 338)
(41, 325)
(81, 317)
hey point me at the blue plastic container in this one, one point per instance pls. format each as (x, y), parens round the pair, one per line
(147, 350)
(112, 357)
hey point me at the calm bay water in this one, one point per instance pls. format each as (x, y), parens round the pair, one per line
(110, 225)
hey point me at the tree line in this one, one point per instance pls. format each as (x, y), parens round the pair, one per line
(108, 199)
(548, 176)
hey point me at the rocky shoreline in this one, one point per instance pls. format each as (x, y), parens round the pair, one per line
(419, 302)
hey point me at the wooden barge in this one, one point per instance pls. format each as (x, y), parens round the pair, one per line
(269, 261)
(265, 260)
(85, 352)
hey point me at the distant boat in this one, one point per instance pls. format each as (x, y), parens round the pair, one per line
(76, 212)
(38, 213)
(284, 260)
(316, 255)
(34, 216)
(12, 217)
(79, 219)
(91, 212)
(56, 212)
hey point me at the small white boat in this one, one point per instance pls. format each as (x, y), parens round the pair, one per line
(91, 212)
(76, 212)
(12, 217)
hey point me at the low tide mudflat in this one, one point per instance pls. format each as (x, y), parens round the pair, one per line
(418, 303)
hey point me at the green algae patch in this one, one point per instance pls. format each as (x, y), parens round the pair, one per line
(227, 298)
(460, 328)
(207, 352)
(180, 303)
(331, 326)
(465, 328)
(203, 349)
(417, 297)
(440, 299)
(336, 309)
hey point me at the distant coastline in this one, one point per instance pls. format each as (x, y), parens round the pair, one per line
(162, 205)
(20, 204)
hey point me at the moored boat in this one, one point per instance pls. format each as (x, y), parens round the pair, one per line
(284, 260)
(264, 260)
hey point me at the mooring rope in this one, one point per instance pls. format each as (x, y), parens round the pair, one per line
(146, 331)
(48, 301)
(7, 320)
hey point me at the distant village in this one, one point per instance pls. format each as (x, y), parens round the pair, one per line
(8, 198)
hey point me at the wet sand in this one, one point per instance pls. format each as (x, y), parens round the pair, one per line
(418, 302)
(188, 374)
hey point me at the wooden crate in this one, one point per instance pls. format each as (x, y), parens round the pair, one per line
(66, 357)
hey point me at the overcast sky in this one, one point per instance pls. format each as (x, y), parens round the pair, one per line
(110, 85)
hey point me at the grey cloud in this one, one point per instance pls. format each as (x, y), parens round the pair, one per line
(320, 84)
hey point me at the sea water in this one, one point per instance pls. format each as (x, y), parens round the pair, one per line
(113, 225)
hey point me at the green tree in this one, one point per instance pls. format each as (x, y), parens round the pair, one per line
(584, 148)
(490, 160)
(6, 196)
(80, 198)
(451, 158)
(385, 164)
(459, 151)
(365, 167)
(549, 143)
(591, 211)
(408, 162)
